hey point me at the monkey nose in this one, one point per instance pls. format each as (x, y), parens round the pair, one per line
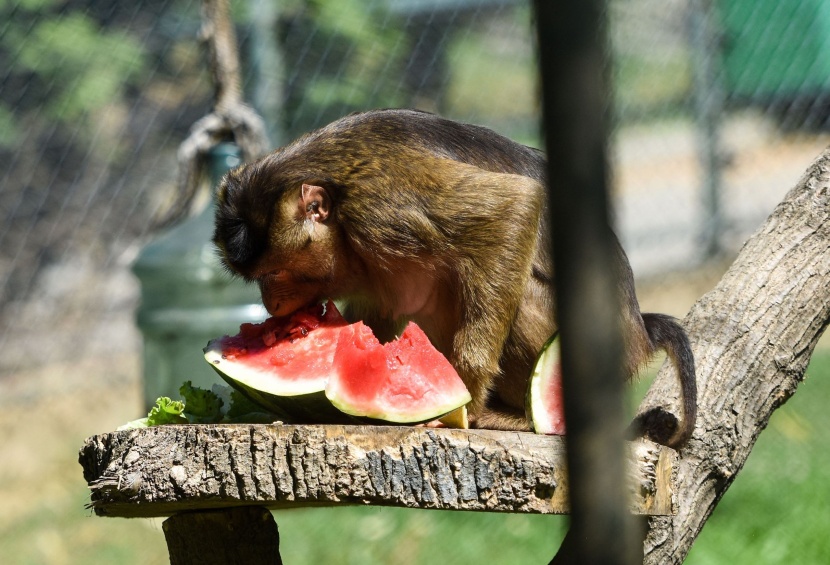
(271, 306)
(268, 290)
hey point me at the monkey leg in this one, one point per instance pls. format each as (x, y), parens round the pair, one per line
(502, 417)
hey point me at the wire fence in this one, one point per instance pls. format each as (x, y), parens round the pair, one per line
(718, 107)
(95, 99)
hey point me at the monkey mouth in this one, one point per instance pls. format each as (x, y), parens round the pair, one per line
(284, 305)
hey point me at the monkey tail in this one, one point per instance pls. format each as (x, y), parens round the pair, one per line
(667, 334)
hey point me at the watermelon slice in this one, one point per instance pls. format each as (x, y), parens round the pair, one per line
(544, 403)
(314, 367)
(403, 381)
(283, 363)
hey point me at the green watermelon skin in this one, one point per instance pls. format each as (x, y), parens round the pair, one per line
(544, 404)
(310, 408)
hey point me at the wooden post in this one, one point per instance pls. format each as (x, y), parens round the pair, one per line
(244, 535)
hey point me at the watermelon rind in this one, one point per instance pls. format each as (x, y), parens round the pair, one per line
(298, 402)
(455, 412)
(456, 419)
(261, 380)
(537, 413)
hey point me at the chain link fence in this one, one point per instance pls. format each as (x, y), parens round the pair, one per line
(719, 107)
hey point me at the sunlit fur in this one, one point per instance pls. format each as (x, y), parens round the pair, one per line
(431, 220)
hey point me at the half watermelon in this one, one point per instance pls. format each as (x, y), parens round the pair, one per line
(283, 363)
(403, 381)
(544, 403)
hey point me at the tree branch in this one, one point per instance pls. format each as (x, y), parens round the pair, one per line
(752, 336)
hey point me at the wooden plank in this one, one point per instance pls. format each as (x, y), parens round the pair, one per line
(163, 470)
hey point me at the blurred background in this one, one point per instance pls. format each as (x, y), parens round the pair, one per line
(719, 106)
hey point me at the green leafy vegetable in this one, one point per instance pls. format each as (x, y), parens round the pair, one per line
(133, 425)
(201, 406)
(166, 411)
(220, 404)
(242, 405)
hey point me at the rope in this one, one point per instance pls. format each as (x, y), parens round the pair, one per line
(230, 120)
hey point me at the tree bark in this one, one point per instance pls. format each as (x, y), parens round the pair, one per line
(752, 336)
(163, 470)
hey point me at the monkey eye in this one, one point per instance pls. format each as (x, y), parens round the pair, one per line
(240, 246)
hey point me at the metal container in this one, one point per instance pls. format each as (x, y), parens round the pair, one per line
(187, 298)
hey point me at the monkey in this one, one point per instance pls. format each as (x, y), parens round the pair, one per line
(405, 215)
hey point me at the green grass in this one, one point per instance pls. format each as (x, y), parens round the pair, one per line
(401, 536)
(57, 530)
(778, 509)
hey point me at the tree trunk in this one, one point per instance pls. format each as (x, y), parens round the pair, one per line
(752, 336)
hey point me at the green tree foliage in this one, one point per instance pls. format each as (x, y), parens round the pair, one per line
(340, 57)
(86, 66)
(67, 62)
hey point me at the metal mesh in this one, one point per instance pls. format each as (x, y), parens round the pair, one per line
(718, 109)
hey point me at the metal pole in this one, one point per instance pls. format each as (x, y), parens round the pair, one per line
(572, 53)
(709, 108)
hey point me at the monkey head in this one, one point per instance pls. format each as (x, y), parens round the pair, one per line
(278, 230)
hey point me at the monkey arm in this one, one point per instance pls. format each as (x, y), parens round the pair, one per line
(493, 272)
(385, 328)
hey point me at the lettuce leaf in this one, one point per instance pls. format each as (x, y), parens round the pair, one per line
(166, 411)
(220, 404)
(201, 406)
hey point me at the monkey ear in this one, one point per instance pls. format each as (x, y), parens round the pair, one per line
(315, 203)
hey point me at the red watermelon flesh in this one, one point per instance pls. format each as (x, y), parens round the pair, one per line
(404, 381)
(545, 405)
(285, 356)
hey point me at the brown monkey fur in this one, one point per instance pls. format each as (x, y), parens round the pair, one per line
(408, 216)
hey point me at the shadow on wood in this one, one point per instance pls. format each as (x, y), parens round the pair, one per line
(220, 537)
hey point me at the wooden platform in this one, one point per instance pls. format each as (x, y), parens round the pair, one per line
(165, 470)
